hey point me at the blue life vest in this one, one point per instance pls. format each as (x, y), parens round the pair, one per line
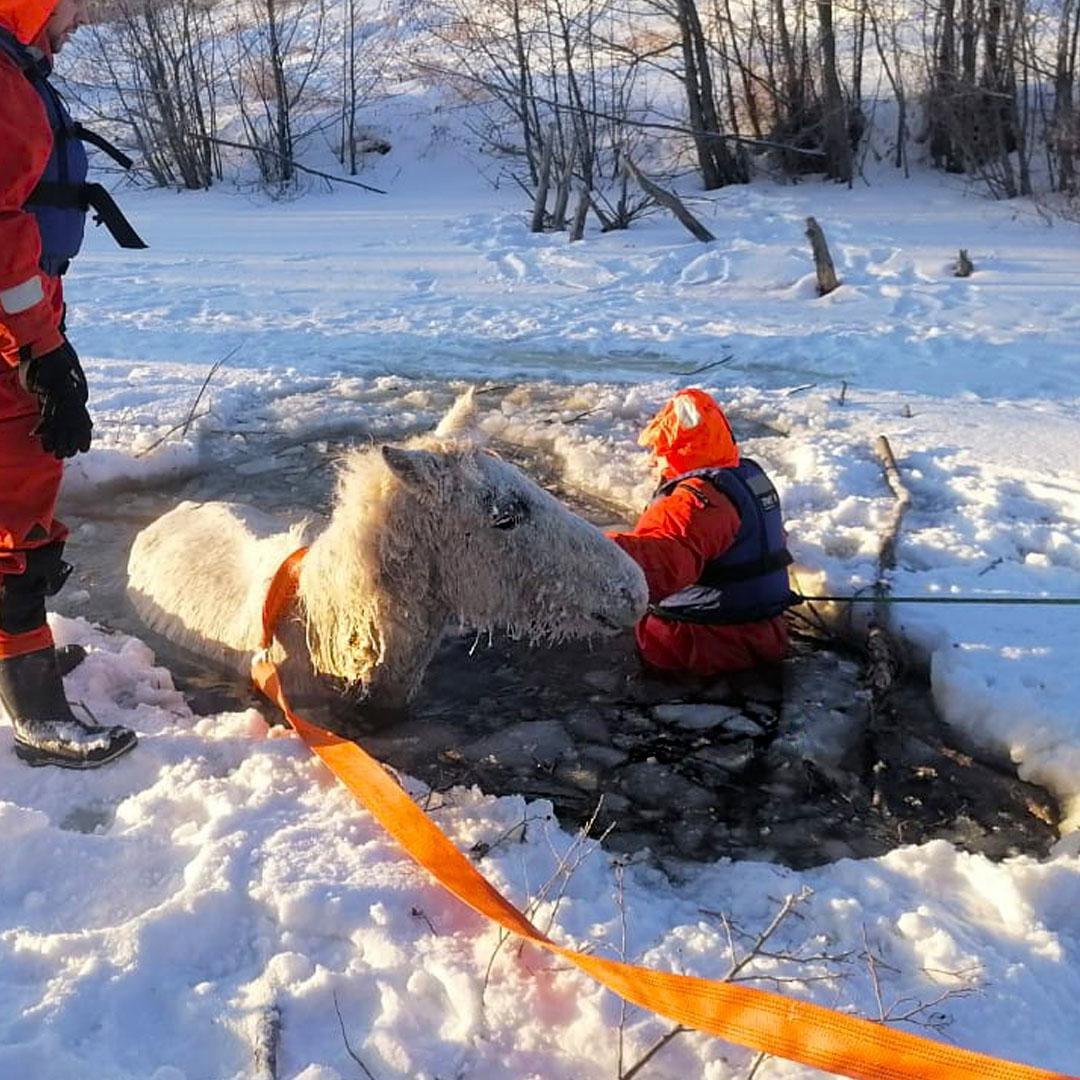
(749, 582)
(62, 197)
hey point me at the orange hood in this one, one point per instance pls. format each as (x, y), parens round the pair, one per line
(690, 432)
(25, 18)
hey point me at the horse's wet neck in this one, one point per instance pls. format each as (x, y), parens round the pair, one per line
(411, 618)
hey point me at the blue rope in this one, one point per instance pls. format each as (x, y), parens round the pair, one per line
(1062, 600)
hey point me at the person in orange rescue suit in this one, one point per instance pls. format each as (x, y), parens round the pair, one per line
(712, 546)
(44, 198)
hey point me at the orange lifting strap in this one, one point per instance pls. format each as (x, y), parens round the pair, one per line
(758, 1019)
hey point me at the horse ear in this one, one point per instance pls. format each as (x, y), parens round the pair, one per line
(461, 417)
(416, 469)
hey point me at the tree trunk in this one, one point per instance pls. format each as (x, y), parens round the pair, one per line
(1064, 121)
(838, 159)
(943, 107)
(577, 226)
(692, 88)
(562, 194)
(540, 205)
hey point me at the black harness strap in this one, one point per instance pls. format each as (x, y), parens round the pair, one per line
(746, 571)
(107, 213)
(94, 139)
(86, 197)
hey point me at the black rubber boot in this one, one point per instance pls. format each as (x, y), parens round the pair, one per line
(68, 658)
(47, 732)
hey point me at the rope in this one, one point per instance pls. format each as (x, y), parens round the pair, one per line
(786, 1027)
(1050, 600)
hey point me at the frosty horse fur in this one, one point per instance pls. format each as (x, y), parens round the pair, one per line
(439, 531)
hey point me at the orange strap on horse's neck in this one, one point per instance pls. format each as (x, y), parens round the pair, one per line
(783, 1026)
(280, 595)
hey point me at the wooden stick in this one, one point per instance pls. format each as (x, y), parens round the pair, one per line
(669, 200)
(887, 551)
(882, 663)
(267, 1038)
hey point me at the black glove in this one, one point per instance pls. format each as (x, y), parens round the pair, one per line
(58, 381)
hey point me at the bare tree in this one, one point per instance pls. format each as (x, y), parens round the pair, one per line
(1063, 129)
(155, 84)
(527, 66)
(718, 165)
(836, 140)
(367, 48)
(278, 47)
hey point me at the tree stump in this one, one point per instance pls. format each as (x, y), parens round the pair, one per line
(823, 264)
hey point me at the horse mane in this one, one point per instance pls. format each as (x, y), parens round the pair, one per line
(361, 581)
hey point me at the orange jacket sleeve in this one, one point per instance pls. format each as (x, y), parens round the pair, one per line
(677, 535)
(28, 313)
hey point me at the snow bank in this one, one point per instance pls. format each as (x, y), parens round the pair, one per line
(154, 910)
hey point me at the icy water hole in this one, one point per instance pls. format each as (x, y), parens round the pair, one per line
(777, 765)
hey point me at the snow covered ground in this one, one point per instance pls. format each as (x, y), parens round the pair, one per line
(154, 910)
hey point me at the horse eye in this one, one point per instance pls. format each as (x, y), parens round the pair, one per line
(508, 514)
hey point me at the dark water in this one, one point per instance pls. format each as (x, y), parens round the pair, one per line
(778, 765)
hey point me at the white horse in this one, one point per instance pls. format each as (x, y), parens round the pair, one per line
(422, 536)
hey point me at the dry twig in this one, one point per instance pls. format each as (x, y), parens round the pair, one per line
(191, 416)
(183, 425)
(738, 964)
(707, 367)
(420, 913)
(352, 1053)
(909, 1009)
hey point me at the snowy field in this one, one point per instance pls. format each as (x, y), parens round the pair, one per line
(153, 911)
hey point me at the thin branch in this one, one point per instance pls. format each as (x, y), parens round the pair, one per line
(756, 1064)
(292, 162)
(214, 367)
(191, 417)
(875, 981)
(652, 1052)
(482, 847)
(787, 909)
(707, 367)
(175, 428)
(352, 1053)
(620, 876)
(420, 913)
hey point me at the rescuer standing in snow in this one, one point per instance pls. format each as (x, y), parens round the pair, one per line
(44, 198)
(712, 546)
